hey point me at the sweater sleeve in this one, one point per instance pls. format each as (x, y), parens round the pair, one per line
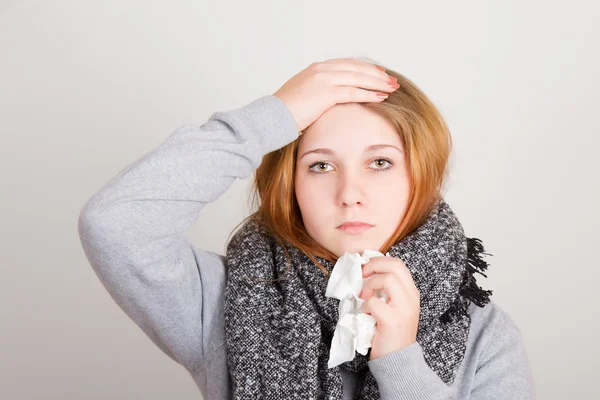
(502, 371)
(404, 374)
(131, 230)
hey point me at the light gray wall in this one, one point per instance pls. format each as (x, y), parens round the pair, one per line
(88, 87)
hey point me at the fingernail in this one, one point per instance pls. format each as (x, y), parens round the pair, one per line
(380, 68)
(382, 95)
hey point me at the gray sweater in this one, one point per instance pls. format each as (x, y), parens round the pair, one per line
(132, 233)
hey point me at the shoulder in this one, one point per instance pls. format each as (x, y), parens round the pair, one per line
(492, 316)
(251, 235)
(493, 330)
(498, 364)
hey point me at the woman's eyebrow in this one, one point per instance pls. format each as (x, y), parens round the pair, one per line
(372, 147)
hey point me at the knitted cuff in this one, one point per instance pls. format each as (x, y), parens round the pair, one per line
(405, 374)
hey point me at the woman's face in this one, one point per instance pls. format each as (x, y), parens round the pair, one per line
(347, 181)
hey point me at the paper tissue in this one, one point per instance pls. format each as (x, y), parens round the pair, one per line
(355, 329)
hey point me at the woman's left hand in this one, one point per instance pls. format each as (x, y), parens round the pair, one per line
(398, 318)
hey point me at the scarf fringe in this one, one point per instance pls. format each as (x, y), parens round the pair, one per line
(469, 290)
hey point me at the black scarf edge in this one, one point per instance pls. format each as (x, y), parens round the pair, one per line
(469, 291)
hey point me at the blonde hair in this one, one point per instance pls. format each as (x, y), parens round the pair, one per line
(427, 143)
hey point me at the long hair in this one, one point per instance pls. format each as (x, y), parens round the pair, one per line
(427, 144)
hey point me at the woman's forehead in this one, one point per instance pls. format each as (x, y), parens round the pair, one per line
(348, 126)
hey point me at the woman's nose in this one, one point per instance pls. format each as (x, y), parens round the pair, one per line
(350, 189)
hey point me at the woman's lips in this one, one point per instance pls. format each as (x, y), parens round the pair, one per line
(354, 229)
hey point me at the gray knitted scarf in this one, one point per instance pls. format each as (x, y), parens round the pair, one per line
(278, 333)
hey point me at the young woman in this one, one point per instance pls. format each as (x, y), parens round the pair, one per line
(348, 157)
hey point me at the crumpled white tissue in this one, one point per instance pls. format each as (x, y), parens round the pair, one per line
(355, 329)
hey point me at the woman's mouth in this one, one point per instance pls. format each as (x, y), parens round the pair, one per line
(354, 228)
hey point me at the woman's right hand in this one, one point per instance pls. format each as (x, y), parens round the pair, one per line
(324, 84)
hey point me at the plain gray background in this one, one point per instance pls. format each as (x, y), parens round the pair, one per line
(88, 87)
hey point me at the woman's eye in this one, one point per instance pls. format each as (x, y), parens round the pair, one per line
(318, 164)
(377, 169)
(384, 160)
